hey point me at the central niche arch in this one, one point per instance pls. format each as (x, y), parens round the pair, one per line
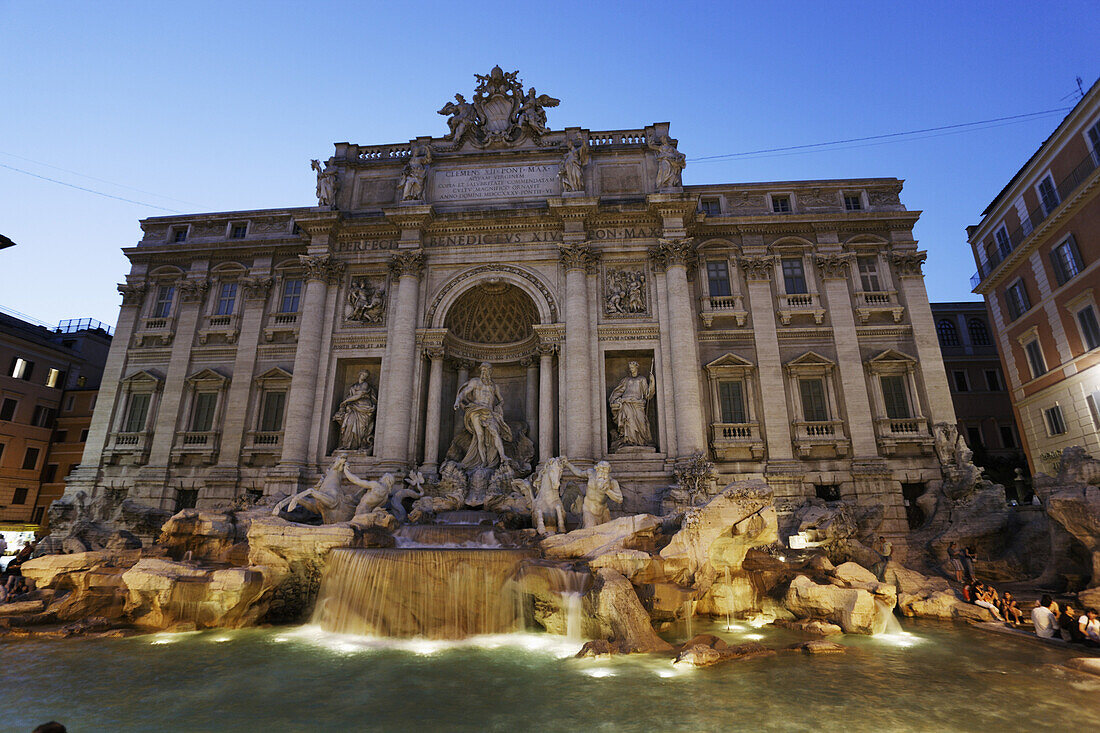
(492, 313)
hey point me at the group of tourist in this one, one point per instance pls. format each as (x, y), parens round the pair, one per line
(1002, 606)
(12, 583)
(1064, 622)
(962, 562)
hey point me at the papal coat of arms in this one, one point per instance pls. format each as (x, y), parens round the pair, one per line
(500, 114)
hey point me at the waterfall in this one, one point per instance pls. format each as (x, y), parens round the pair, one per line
(435, 593)
(563, 586)
(885, 621)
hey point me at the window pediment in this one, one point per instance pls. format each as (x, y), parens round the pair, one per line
(273, 376)
(144, 378)
(208, 378)
(810, 363)
(729, 365)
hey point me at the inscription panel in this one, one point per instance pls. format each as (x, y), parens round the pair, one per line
(516, 181)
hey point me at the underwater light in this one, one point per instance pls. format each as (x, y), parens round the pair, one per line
(600, 672)
(754, 637)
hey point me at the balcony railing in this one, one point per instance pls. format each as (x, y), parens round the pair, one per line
(819, 438)
(799, 304)
(869, 302)
(197, 438)
(273, 437)
(1033, 219)
(737, 441)
(723, 305)
(895, 432)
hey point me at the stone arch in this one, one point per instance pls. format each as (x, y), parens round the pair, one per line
(864, 240)
(531, 285)
(790, 241)
(717, 244)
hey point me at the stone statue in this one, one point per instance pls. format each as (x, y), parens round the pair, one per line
(573, 162)
(601, 487)
(625, 292)
(628, 408)
(670, 162)
(522, 448)
(531, 112)
(326, 183)
(545, 495)
(410, 186)
(377, 492)
(328, 497)
(483, 418)
(463, 116)
(366, 303)
(356, 415)
(413, 491)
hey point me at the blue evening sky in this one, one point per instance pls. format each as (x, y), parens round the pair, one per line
(219, 106)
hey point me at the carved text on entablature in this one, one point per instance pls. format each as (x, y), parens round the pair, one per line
(462, 240)
(641, 232)
(366, 245)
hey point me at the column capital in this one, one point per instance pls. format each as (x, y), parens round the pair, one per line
(325, 268)
(192, 291)
(908, 264)
(673, 252)
(133, 293)
(256, 288)
(550, 336)
(431, 341)
(409, 263)
(833, 266)
(757, 268)
(578, 256)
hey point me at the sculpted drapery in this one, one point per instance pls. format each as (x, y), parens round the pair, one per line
(483, 418)
(356, 415)
(628, 408)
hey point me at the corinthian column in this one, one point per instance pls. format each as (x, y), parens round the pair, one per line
(320, 271)
(773, 389)
(400, 358)
(577, 259)
(675, 256)
(435, 412)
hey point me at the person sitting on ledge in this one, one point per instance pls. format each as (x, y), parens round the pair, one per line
(1045, 617)
(986, 597)
(1010, 610)
(1068, 627)
(1089, 626)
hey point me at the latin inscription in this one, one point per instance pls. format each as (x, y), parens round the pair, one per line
(459, 240)
(496, 183)
(366, 245)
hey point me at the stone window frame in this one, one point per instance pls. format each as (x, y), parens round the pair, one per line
(137, 443)
(289, 269)
(232, 224)
(733, 305)
(877, 250)
(1003, 249)
(1085, 299)
(274, 379)
(892, 362)
(860, 194)
(788, 248)
(771, 196)
(1044, 176)
(163, 276)
(1025, 304)
(711, 198)
(807, 366)
(201, 442)
(732, 368)
(1055, 409)
(175, 230)
(1025, 339)
(226, 324)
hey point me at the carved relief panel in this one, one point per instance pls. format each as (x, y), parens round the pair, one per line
(365, 301)
(626, 292)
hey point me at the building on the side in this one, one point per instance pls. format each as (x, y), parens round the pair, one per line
(781, 329)
(74, 419)
(43, 368)
(1038, 254)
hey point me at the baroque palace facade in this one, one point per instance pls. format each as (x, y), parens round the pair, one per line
(782, 329)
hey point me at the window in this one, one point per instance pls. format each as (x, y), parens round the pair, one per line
(20, 496)
(993, 381)
(1, 451)
(36, 517)
(827, 492)
(1016, 299)
(1035, 358)
(83, 382)
(979, 332)
(868, 274)
(781, 204)
(54, 377)
(43, 416)
(179, 234)
(227, 296)
(894, 397)
(948, 333)
(238, 231)
(50, 474)
(718, 278)
(814, 408)
(974, 437)
(84, 436)
(1094, 138)
(1004, 246)
(292, 294)
(21, 368)
(1048, 194)
(1066, 260)
(1055, 424)
(7, 408)
(70, 403)
(852, 202)
(962, 382)
(202, 414)
(186, 499)
(1090, 400)
(711, 207)
(1008, 437)
(30, 459)
(731, 400)
(163, 307)
(61, 436)
(271, 415)
(794, 277)
(1090, 329)
(135, 414)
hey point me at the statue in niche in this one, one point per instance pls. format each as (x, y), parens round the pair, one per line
(628, 403)
(328, 498)
(625, 292)
(463, 116)
(366, 303)
(670, 162)
(326, 183)
(483, 419)
(531, 113)
(601, 487)
(356, 415)
(573, 162)
(410, 186)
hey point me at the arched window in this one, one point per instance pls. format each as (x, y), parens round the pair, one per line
(949, 335)
(979, 333)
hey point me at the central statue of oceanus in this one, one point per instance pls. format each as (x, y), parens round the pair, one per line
(483, 418)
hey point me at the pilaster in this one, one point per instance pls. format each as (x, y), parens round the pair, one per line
(773, 388)
(398, 365)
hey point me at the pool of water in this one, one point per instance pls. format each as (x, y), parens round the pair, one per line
(938, 677)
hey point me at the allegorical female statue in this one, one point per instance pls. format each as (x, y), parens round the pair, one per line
(356, 415)
(326, 183)
(670, 162)
(628, 408)
(483, 418)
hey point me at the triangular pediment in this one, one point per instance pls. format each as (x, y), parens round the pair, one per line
(208, 375)
(728, 361)
(275, 374)
(891, 355)
(810, 358)
(143, 376)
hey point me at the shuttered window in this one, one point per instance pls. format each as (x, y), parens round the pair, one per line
(814, 408)
(731, 399)
(893, 395)
(135, 415)
(271, 416)
(203, 416)
(1065, 259)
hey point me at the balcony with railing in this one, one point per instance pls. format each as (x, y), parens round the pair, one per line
(718, 306)
(871, 302)
(262, 446)
(201, 444)
(895, 433)
(281, 323)
(819, 438)
(737, 441)
(794, 305)
(128, 447)
(1031, 221)
(227, 327)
